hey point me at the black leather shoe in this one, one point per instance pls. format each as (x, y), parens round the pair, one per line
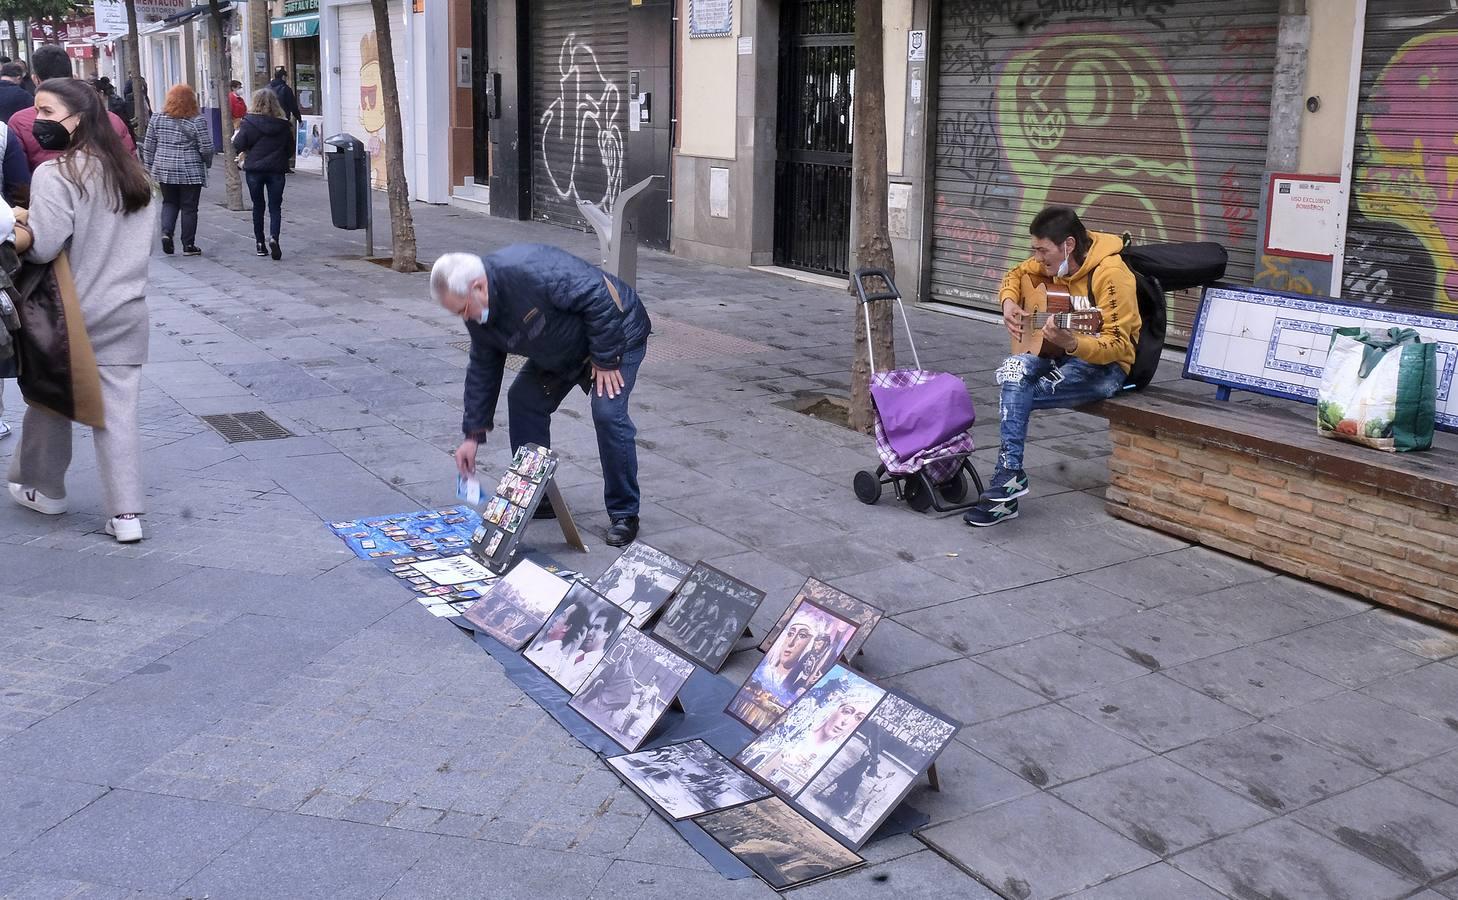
(545, 510)
(623, 532)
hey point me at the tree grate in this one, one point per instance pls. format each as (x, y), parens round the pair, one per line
(246, 426)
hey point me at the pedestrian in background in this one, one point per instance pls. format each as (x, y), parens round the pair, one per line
(94, 201)
(236, 106)
(51, 61)
(267, 137)
(13, 97)
(178, 152)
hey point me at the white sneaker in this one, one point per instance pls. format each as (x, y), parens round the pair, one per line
(126, 531)
(4, 430)
(34, 499)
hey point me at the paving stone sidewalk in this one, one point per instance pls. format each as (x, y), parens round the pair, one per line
(239, 708)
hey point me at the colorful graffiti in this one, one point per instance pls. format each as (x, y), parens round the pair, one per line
(371, 107)
(1407, 179)
(1066, 114)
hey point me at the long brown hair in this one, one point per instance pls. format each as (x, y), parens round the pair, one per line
(93, 136)
(181, 102)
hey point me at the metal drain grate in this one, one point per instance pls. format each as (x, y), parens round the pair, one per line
(513, 362)
(246, 426)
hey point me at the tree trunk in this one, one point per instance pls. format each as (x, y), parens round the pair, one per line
(873, 240)
(402, 224)
(141, 114)
(220, 72)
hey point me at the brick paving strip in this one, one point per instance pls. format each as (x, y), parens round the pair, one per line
(237, 707)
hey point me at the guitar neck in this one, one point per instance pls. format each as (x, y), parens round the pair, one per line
(1073, 321)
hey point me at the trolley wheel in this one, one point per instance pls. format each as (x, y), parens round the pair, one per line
(916, 493)
(868, 487)
(955, 490)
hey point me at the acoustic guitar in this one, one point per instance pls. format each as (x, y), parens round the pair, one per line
(1044, 300)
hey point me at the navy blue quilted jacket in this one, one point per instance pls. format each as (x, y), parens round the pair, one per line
(554, 309)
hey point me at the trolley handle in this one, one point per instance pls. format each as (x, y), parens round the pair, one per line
(891, 293)
(858, 278)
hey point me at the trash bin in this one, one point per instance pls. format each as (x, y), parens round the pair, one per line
(348, 172)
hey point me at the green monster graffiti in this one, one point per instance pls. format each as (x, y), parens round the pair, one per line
(1077, 117)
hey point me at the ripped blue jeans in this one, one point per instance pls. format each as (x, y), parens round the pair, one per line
(1032, 382)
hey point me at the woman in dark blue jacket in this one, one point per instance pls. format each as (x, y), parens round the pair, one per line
(267, 139)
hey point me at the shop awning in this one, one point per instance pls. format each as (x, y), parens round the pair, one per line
(178, 19)
(295, 27)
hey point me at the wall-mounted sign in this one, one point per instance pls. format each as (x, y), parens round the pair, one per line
(299, 7)
(1301, 216)
(294, 27)
(916, 46)
(711, 18)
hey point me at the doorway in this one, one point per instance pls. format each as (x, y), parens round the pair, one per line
(813, 163)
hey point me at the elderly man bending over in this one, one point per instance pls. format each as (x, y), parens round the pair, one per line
(577, 327)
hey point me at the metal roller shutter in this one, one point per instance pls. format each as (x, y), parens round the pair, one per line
(1152, 123)
(580, 106)
(1402, 232)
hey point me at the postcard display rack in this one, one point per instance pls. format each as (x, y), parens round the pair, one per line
(504, 517)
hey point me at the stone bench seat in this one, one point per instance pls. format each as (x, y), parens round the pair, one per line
(1253, 479)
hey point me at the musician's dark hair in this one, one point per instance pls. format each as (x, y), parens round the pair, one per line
(1058, 224)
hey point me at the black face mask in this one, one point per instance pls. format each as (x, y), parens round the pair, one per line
(51, 135)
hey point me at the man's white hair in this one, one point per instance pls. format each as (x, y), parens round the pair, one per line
(453, 273)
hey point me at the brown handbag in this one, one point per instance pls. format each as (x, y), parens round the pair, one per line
(57, 366)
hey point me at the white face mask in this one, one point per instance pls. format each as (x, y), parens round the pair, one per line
(1063, 268)
(485, 311)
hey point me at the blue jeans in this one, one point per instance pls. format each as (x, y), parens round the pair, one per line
(1031, 382)
(535, 394)
(273, 184)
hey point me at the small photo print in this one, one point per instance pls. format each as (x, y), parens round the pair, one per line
(867, 779)
(495, 543)
(367, 545)
(517, 605)
(793, 750)
(780, 845)
(708, 615)
(807, 647)
(576, 637)
(862, 614)
(632, 687)
(687, 780)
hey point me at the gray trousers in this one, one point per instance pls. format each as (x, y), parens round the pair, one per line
(44, 453)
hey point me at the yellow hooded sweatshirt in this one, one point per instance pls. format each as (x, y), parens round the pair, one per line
(1107, 282)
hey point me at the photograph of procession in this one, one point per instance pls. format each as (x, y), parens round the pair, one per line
(708, 615)
(517, 604)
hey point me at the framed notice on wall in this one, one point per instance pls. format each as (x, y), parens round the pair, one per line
(711, 18)
(1301, 216)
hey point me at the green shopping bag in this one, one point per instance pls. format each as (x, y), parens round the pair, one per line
(1379, 388)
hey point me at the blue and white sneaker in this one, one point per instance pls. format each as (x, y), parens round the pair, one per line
(988, 512)
(1006, 485)
(4, 430)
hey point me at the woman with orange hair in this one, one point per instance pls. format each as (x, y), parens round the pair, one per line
(178, 152)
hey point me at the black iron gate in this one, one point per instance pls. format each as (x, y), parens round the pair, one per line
(813, 168)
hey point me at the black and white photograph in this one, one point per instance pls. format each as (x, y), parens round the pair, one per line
(632, 687)
(862, 614)
(794, 749)
(517, 604)
(687, 780)
(805, 650)
(708, 615)
(641, 580)
(867, 779)
(782, 847)
(576, 636)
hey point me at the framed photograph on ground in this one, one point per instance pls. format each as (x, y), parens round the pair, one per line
(708, 615)
(874, 771)
(792, 751)
(641, 581)
(687, 780)
(517, 605)
(576, 636)
(632, 686)
(807, 647)
(780, 845)
(864, 615)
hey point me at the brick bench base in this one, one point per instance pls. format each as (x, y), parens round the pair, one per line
(1262, 486)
